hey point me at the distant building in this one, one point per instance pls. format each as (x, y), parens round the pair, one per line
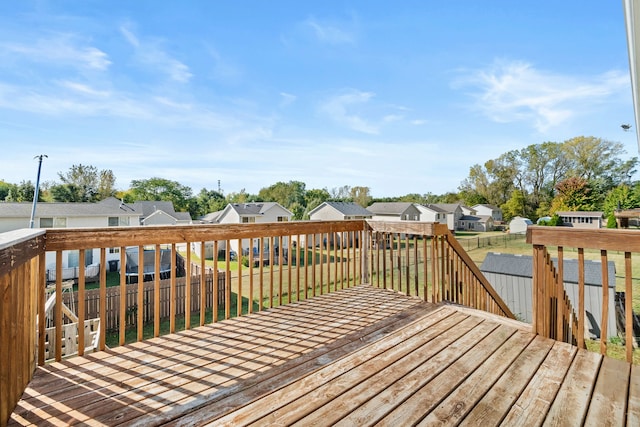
(394, 211)
(581, 219)
(511, 277)
(331, 211)
(519, 225)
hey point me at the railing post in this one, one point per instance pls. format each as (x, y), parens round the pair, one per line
(364, 254)
(537, 324)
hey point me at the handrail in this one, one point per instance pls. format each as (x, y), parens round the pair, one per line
(21, 303)
(455, 278)
(552, 311)
(285, 262)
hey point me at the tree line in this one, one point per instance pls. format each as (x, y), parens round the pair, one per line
(583, 173)
(580, 174)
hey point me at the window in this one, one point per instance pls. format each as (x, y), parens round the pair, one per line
(118, 221)
(46, 222)
(248, 219)
(73, 258)
(53, 222)
(283, 219)
(114, 250)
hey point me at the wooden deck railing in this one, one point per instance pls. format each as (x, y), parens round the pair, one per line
(553, 314)
(292, 261)
(426, 260)
(21, 296)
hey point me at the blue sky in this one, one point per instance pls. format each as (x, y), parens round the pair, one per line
(401, 97)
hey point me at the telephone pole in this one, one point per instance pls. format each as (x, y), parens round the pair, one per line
(37, 189)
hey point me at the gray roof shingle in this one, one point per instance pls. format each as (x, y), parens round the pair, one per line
(522, 266)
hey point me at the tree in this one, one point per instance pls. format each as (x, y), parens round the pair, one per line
(341, 193)
(106, 184)
(544, 164)
(209, 201)
(22, 192)
(287, 194)
(5, 187)
(313, 199)
(361, 196)
(593, 157)
(620, 197)
(68, 193)
(84, 183)
(162, 189)
(515, 206)
(573, 194)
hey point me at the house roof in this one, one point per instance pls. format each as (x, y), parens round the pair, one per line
(434, 208)
(255, 209)
(477, 218)
(147, 208)
(107, 207)
(522, 266)
(492, 207)
(211, 217)
(345, 208)
(389, 208)
(585, 214)
(447, 207)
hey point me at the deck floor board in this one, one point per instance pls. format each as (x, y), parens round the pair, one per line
(359, 356)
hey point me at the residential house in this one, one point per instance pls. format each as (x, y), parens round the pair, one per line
(160, 213)
(109, 212)
(247, 213)
(328, 211)
(511, 277)
(335, 211)
(581, 219)
(475, 223)
(493, 211)
(453, 212)
(432, 213)
(394, 211)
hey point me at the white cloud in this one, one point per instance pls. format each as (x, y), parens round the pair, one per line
(287, 99)
(330, 33)
(339, 108)
(83, 89)
(151, 54)
(58, 49)
(516, 91)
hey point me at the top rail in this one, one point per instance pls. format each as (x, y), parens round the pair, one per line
(185, 282)
(607, 308)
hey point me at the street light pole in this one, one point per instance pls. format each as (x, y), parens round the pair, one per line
(37, 189)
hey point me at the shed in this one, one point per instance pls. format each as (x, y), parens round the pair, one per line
(511, 276)
(518, 225)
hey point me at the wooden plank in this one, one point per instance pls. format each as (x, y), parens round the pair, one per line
(295, 400)
(609, 400)
(85, 238)
(465, 397)
(498, 400)
(179, 349)
(600, 239)
(571, 402)
(633, 407)
(533, 404)
(204, 384)
(426, 398)
(394, 394)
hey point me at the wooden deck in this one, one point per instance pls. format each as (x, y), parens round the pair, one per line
(360, 356)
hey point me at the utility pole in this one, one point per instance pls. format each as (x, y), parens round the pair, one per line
(37, 189)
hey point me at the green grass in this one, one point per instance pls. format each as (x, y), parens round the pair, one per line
(112, 338)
